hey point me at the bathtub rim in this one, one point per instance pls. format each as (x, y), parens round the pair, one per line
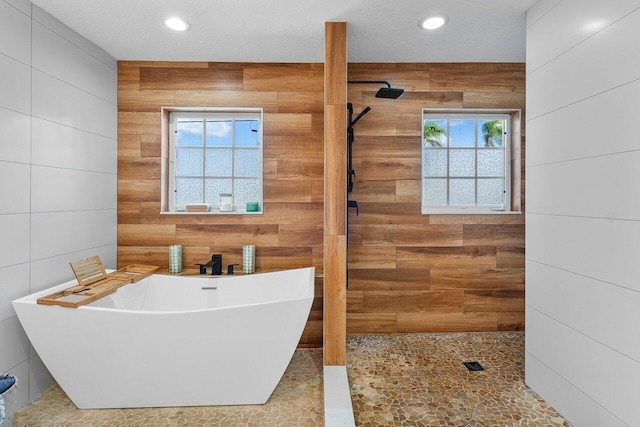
(32, 298)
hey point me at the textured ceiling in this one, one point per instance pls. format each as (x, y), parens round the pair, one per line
(293, 30)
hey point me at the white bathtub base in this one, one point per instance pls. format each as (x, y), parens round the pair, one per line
(112, 358)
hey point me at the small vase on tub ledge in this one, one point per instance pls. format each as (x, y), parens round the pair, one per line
(248, 259)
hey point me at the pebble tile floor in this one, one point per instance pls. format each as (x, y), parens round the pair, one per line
(396, 380)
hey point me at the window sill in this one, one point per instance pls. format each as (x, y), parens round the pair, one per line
(427, 211)
(212, 212)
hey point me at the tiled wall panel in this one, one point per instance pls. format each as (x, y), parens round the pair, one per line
(15, 85)
(14, 187)
(588, 69)
(571, 139)
(605, 194)
(560, 393)
(68, 148)
(555, 37)
(583, 220)
(58, 168)
(15, 128)
(572, 293)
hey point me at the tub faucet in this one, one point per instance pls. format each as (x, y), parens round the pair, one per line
(215, 264)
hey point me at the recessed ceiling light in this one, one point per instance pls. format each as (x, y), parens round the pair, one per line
(177, 24)
(433, 23)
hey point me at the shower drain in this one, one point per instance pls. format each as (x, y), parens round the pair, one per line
(473, 366)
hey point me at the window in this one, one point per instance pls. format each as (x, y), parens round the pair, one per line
(466, 162)
(215, 158)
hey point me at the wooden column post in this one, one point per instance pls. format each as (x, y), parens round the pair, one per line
(335, 193)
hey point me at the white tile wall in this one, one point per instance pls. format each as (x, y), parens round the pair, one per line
(571, 22)
(603, 195)
(63, 103)
(76, 39)
(15, 85)
(22, 5)
(583, 209)
(582, 410)
(593, 247)
(11, 332)
(15, 33)
(578, 359)
(57, 57)
(592, 67)
(65, 147)
(14, 187)
(15, 129)
(14, 230)
(56, 189)
(14, 283)
(59, 122)
(571, 139)
(564, 296)
(58, 233)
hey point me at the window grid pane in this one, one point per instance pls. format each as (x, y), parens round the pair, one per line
(465, 171)
(221, 163)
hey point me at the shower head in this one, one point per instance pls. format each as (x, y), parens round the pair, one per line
(384, 92)
(389, 92)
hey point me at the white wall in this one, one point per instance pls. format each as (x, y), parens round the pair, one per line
(58, 166)
(583, 209)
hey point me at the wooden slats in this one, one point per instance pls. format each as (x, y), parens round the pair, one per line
(94, 282)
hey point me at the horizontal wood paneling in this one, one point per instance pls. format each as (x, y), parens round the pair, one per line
(389, 280)
(395, 254)
(289, 232)
(372, 323)
(447, 322)
(410, 272)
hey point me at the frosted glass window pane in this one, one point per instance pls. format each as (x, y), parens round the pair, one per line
(434, 192)
(188, 190)
(189, 133)
(462, 191)
(435, 162)
(462, 162)
(462, 133)
(434, 133)
(246, 163)
(218, 162)
(189, 162)
(490, 133)
(490, 162)
(246, 190)
(490, 192)
(213, 188)
(247, 133)
(219, 134)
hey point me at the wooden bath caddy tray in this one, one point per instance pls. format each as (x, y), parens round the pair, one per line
(94, 282)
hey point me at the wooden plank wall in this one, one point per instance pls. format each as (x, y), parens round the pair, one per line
(418, 273)
(335, 204)
(290, 232)
(407, 272)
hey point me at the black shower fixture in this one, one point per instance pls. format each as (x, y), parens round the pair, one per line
(384, 92)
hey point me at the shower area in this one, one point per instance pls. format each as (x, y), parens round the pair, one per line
(409, 272)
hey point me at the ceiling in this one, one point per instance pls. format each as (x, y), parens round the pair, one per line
(293, 30)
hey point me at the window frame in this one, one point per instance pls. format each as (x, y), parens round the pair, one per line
(170, 115)
(511, 177)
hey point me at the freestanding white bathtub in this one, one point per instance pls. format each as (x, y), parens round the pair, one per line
(174, 340)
